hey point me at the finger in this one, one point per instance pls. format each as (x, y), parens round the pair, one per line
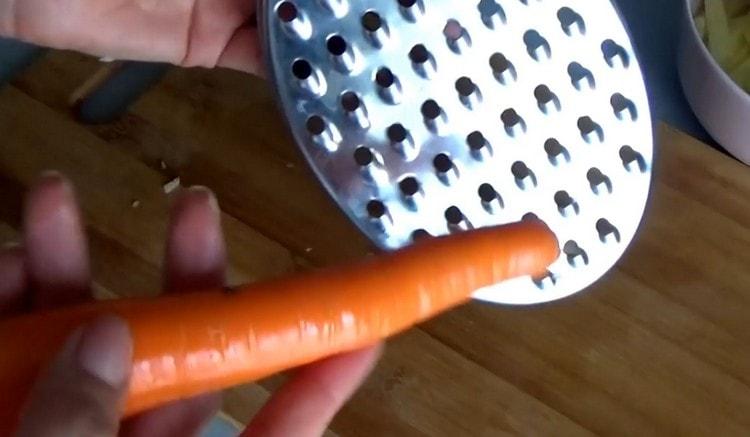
(243, 52)
(195, 253)
(12, 280)
(56, 255)
(306, 404)
(83, 391)
(184, 418)
(195, 258)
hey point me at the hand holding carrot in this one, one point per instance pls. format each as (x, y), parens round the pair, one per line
(83, 391)
(174, 347)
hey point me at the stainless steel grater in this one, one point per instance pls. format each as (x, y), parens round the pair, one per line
(425, 117)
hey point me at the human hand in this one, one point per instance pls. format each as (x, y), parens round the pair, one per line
(82, 392)
(205, 33)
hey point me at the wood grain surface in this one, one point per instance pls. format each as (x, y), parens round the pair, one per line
(658, 347)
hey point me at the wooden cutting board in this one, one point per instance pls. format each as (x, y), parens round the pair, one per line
(661, 346)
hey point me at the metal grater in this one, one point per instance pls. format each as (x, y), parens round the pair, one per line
(426, 117)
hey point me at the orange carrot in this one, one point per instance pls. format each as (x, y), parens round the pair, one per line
(186, 344)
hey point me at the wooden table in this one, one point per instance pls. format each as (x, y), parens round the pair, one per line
(659, 347)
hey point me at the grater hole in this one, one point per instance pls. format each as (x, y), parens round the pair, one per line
(302, 69)
(632, 160)
(492, 202)
(287, 12)
(537, 46)
(431, 110)
(465, 86)
(487, 193)
(376, 209)
(615, 54)
(401, 141)
(566, 205)
(599, 182)
(411, 9)
(316, 125)
(350, 101)
(454, 216)
(468, 92)
(476, 141)
(397, 133)
(355, 109)
(409, 186)
(442, 163)
(491, 13)
(525, 178)
(385, 78)
(590, 130)
(514, 123)
(608, 233)
(623, 107)
(456, 36)
(453, 30)
(556, 152)
(488, 7)
(571, 21)
(491, 199)
(545, 281)
(323, 133)
(419, 235)
(419, 54)
(389, 88)
(546, 99)
(581, 77)
(577, 257)
(364, 157)
(371, 21)
(502, 68)
(479, 145)
(422, 61)
(336, 45)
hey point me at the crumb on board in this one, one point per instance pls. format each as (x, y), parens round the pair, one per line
(135, 203)
(171, 186)
(162, 165)
(10, 244)
(289, 165)
(308, 249)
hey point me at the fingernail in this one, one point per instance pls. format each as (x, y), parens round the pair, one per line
(51, 180)
(105, 350)
(54, 177)
(210, 197)
(50, 174)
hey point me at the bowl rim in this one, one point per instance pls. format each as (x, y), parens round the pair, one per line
(688, 13)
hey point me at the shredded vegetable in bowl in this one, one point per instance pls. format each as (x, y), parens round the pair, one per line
(724, 26)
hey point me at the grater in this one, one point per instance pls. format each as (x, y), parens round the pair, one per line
(429, 117)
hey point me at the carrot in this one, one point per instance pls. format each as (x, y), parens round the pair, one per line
(192, 343)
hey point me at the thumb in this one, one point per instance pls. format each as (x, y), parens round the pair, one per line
(83, 391)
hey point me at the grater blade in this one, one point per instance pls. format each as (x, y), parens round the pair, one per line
(430, 117)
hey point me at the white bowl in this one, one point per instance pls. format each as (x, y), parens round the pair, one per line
(720, 104)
